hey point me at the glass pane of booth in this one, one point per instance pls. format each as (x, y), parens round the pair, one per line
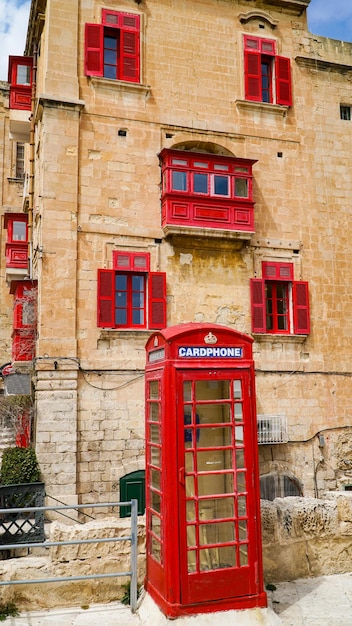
(217, 558)
(154, 433)
(214, 437)
(156, 501)
(154, 412)
(214, 460)
(214, 413)
(212, 484)
(153, 389)
(155, 456)
(155, 479)
(212, 389)
(237, 389)
(156, 525)
(216, 508)
(156, 549)
(216, 533)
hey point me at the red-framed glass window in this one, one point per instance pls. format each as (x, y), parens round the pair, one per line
(267, 75)
(17, 227)
(279, 305)
(112, 48)
(20, 71)
(131, 299)
(207, 176)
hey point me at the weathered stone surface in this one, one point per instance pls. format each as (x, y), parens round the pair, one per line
(75, 560)
(306, 537)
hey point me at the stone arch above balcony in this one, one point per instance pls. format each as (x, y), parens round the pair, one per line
(208, 147)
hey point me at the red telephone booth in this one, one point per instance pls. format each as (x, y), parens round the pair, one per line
(202, 485)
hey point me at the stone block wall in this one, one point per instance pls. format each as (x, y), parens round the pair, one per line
(307, 537)
(75, 560)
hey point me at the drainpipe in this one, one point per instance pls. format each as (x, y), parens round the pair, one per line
(31, 167)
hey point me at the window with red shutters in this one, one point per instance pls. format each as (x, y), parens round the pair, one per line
(130, 296)
(112, 49)
(279, 305)
(267, 76)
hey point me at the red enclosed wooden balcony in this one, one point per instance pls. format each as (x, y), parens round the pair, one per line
(20, 79)
(207, 194)
(24, 319)
(16, 247)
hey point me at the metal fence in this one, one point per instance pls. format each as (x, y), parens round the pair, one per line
(132, 573)
(26, 526)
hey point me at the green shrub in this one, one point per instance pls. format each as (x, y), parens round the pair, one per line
(19, 465)
(8, 610)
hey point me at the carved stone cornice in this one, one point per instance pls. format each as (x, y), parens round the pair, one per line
(259, 15)
(322, 65)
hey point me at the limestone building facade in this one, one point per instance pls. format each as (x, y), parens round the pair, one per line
(184, 161)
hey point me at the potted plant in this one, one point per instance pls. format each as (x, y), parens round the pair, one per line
(20, 487)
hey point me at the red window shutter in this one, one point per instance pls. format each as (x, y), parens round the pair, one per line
(301, 318)
(157, 300)
(106, 293)
(283, 81)
(129, 56)
(258, 305)
(253, 89)
(94, 49)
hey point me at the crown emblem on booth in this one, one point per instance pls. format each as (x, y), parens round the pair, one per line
(210, 338)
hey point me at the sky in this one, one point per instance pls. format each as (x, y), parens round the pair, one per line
(329, 18)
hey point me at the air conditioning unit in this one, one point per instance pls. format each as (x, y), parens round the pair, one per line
(272, 429)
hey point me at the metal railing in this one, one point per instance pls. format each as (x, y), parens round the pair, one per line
(24, 527)
(132, 573)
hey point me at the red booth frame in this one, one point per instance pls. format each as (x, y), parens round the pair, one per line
(167, 581)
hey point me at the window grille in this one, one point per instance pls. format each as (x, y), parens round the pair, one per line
(20, 160)
(272, 429)
(345, 112)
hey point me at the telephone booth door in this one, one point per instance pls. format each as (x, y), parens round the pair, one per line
(217, 512)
